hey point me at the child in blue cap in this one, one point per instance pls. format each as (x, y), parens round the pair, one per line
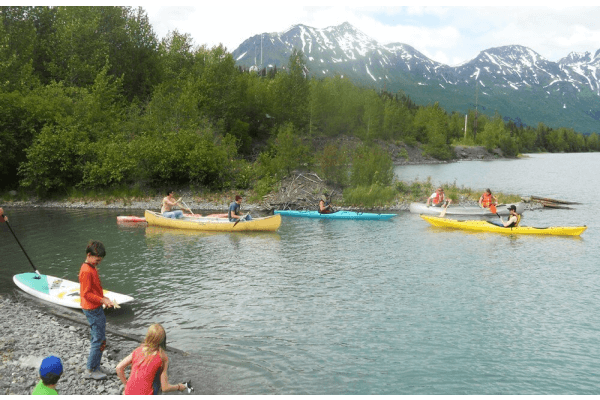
(50, 371)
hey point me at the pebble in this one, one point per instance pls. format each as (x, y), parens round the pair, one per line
(20, 357)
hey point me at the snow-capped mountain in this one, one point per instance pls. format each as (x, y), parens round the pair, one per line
(513, 80)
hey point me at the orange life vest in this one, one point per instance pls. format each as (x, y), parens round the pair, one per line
(486, 200)
(438, 198)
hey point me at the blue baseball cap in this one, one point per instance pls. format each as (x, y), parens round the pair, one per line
(51, 364)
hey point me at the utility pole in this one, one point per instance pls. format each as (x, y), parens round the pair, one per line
(476, 111)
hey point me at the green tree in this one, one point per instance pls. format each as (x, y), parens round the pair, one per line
(292, 92)
(371, 165)
(432, 122)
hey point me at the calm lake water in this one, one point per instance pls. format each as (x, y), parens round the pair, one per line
(357, 307)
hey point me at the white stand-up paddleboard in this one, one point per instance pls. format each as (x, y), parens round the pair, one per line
(59, 291)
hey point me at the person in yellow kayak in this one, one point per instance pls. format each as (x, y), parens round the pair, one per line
(487, 199)
(513, 220)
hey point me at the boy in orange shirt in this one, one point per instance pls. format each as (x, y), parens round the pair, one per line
(92, 300)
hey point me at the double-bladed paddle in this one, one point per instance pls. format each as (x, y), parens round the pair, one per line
(24, 252)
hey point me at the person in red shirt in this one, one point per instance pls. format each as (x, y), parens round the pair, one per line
(92, 300)
(2, 216)
(146, 362)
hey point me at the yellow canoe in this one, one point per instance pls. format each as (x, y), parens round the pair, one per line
(266, 224)
(485, 226)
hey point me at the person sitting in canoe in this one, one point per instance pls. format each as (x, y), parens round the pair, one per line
(324, 206)
(234, 211)
(487, 199)
(513, 220)
(167, 206)
(437, 199)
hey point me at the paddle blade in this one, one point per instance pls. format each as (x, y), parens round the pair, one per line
(443, 213)
(493, 209)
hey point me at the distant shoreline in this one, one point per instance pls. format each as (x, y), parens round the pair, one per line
(463, 153)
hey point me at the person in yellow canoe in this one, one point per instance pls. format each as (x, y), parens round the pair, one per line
(168, 203)
(513, 220)
(487, 199)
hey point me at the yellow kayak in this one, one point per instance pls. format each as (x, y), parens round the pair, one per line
(485, 226)
(214, 224)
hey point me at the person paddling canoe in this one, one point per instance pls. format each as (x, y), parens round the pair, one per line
(168, 203)
(437, 199)
(2, 216)
(487, 199)
(234, 214)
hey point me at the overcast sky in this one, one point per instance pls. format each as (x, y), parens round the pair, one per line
(450, 35)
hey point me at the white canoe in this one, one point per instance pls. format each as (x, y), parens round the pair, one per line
(473, 211)
(59, 291)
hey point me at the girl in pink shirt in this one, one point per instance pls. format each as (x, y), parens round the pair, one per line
(146, 361)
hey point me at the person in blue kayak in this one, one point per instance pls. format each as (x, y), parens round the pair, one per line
(234, 214)
(324, 206)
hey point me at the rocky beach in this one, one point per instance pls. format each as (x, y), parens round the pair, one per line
(30, 333)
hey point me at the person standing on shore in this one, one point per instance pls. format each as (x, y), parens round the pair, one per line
(92, 300)
(148, 361)
(51, 370)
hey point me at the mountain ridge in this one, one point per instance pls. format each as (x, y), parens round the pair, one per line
(513, 80)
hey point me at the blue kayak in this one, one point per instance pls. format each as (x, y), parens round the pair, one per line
(335, 215)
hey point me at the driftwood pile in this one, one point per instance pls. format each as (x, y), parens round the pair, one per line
(300, 191)
(553, 203)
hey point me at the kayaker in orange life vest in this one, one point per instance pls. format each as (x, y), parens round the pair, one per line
(487, 199)
(437, 199)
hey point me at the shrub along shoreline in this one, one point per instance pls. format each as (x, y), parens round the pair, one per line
(375, 197)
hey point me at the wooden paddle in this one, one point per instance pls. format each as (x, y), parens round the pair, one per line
(443, 213)
(239, 219)
(188, 208)
(24, 252)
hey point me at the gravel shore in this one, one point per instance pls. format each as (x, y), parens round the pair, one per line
(29, 333)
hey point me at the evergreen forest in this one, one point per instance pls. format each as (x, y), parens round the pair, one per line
(90, 98)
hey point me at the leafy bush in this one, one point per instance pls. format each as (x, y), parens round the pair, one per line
(374, 195)
(333, 164)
